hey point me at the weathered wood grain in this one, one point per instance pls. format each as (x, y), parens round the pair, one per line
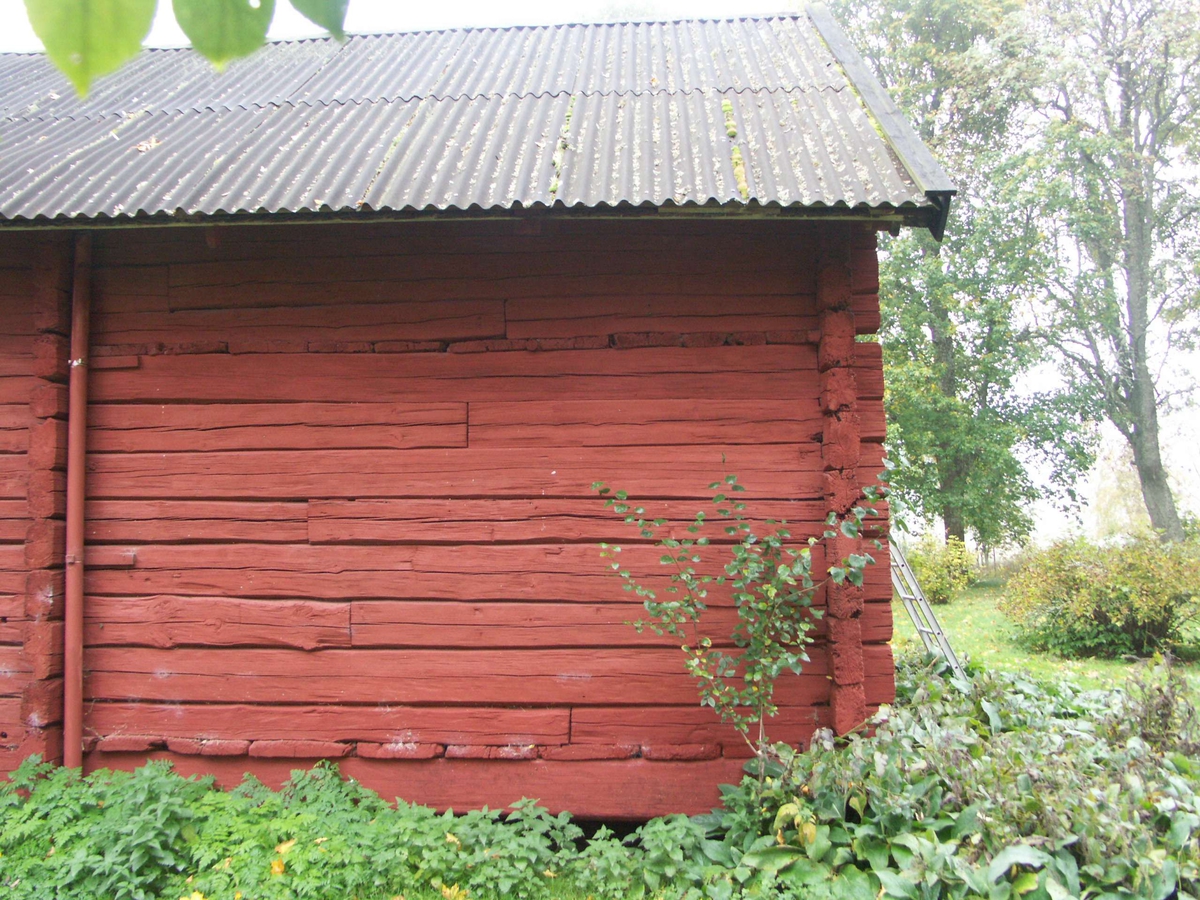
(208, 521)
(484, 520)
(634, 422)
(554, 572)
(692, 724)
(486, 725)
(389, 321)
(523, 521)
(708, 312)
(767, 471)
(178, 621)
(274, 426)
(793, 241)
(399, 623)
(443, 677)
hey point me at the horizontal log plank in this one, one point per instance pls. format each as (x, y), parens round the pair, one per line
(174, 621)
(469, 521)
(16, 389)
(686, 725)
(12, 559)
(551, 318)
(767, 471)
(314, 385)
(275, 426)
(510, 677)
(388, 283)
(163, 521)
(570, 572)
(398, 623)
(619, 423)
(394, 377)
(14, 671)
(795, 239)
(487, 725)
(448, 320)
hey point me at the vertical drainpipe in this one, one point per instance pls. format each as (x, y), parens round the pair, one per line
(81, 301)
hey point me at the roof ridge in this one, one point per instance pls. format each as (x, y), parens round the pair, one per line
(756, 17)
(370, 101)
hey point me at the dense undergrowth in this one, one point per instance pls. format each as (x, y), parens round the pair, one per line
(999, 788)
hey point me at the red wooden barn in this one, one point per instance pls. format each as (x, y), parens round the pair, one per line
(366, 322)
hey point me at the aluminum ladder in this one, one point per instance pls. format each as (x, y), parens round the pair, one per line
(928, 627)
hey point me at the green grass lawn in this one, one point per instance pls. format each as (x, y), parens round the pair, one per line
(977, 629)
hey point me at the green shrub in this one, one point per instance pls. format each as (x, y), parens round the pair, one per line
(998, 787)
(1079, 599)
(1008, 788)
(943, 570)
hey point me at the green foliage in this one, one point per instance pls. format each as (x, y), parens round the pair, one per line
(1079, 599)
(770, 582)
(957, 347)
(222, 30)
(1115, 189)
(942, 569)
(995, 787)
(90, 38)
(329, 14)
(111, 835)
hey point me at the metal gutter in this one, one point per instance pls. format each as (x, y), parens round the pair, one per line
(908, 215)
(926, 171)
(81, 302)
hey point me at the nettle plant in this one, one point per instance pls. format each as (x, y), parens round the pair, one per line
(771, 582)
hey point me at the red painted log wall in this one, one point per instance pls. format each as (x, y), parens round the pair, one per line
(339, 497)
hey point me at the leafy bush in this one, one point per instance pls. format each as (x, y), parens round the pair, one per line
(771, 583)
(1079, 599)
(994, 787)
(942, 569)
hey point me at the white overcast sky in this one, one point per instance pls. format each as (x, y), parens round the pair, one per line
(367, 16)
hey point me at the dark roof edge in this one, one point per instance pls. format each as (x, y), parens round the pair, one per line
(883, 217)
(926, 171)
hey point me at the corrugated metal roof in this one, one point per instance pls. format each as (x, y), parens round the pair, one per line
(569, 116)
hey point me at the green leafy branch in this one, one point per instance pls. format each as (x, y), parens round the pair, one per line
(90, 38)
(772, 584)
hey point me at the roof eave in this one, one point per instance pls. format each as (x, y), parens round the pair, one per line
(881, 217)
(916, 158)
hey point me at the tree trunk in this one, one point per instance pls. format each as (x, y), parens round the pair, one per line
(955, 527)
(1156, 493)
(1143, 398)
(941, 330)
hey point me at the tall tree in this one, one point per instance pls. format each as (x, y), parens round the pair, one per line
(961, 428)
(1119, 198)
(963, 422)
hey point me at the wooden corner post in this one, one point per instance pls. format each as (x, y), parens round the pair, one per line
(841, 451)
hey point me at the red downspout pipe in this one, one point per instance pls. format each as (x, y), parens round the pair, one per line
(81, 302)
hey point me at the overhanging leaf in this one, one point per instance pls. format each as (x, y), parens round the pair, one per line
(223, 30)
(90, 38)
(329, 14)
